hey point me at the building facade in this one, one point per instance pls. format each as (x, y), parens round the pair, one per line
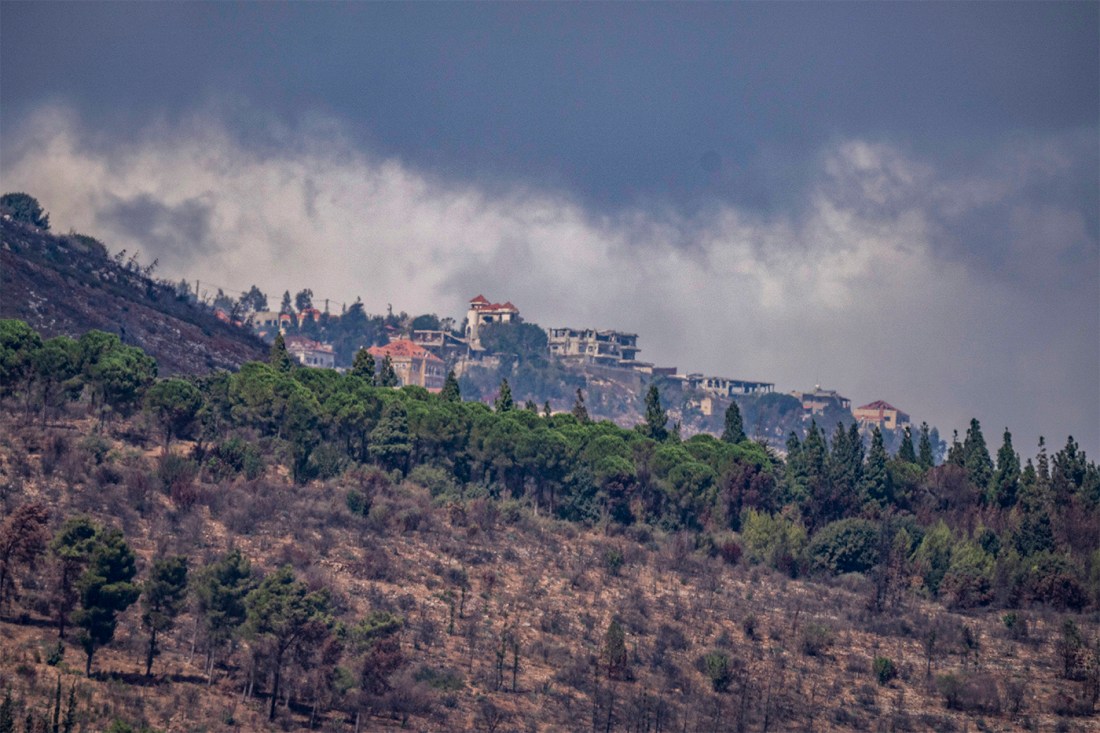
(880, 414)
(413, 364)
(483, 313)
(587, 345)
(311, 353)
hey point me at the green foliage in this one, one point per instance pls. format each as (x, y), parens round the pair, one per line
(220, 590)
(163, 596)
(363, 366)
(106, 590)
(280, 358)
(773, 539)
(1006, 480)
(390, 444)
(525, 342)
(845, 546)
(174, 403)
(18, 344)
(614, 649)
(933, 556)
(451, 391)
(884, 669)
(925, 457)
(504, 401)
(734, 430)
(282, 611)
(718, 668)
(25, 209)
(656, 419)
(967, 582)
(975, 455)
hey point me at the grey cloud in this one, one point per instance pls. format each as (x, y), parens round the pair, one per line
(875, 283)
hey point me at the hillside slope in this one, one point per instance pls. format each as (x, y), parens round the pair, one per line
(67, 285)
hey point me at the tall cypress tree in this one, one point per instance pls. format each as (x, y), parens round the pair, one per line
(387, 376)
(579, 410)
(390, 444)
(656, 419)
(1006, 480)
(877, 485)
(925, 457)
(280, 357)
(451, 391)
(363, 366)
(976, 460)
(504, 401)
(734, 431)
(905, 450)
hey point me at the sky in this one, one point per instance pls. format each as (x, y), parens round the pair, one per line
(900, 201)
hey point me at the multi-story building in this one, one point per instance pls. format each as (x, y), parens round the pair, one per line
(482, 313)
(722, 386)
(413, 364)
(880, 414)
(820, 400)
(311, 353)
(589, 346)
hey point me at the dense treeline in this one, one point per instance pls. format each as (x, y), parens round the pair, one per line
(975, 530)
(978, 530)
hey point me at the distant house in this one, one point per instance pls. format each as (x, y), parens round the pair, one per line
(311, 353)
(820, 400)
(443, 344)
(882, 415)
(413, 364)
(589, 346)
(483, 313)
(311, 314)
(721, 386)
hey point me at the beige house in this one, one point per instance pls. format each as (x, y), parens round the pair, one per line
(413, 364)
(311, 353)
(587, 345)
(880, 414)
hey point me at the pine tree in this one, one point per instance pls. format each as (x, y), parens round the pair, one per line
(387, 376)
(976, 460)
(390, 444)
(280, 357)
(546, 412)
(1043, 467)
(1006, 480)
(734, 431)
(877, 485)
(580, 411)
(363, 366)
(106, 590)
(656, 419)
(162, 601)
(925, 457)
(451, 391)
(955, 454)
(531, 406)
(905, 450)
(504, 401)
(220, 589)
(283, 611)
(287, 307)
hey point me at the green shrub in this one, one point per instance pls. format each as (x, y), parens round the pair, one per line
(845, 546)
(884, 670)
(719, 670)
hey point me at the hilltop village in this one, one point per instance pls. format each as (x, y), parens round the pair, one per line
(493, 337)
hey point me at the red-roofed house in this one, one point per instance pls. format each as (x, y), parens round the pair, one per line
(881, 414)
(482, 312)
(413, 364)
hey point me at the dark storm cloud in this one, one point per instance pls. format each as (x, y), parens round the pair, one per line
(615, 102)
(176, 235)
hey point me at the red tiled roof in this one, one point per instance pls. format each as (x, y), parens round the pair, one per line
(878, 405)
(402, 349)
(479, 299)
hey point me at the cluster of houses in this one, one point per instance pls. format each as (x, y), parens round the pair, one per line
(423, 359)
